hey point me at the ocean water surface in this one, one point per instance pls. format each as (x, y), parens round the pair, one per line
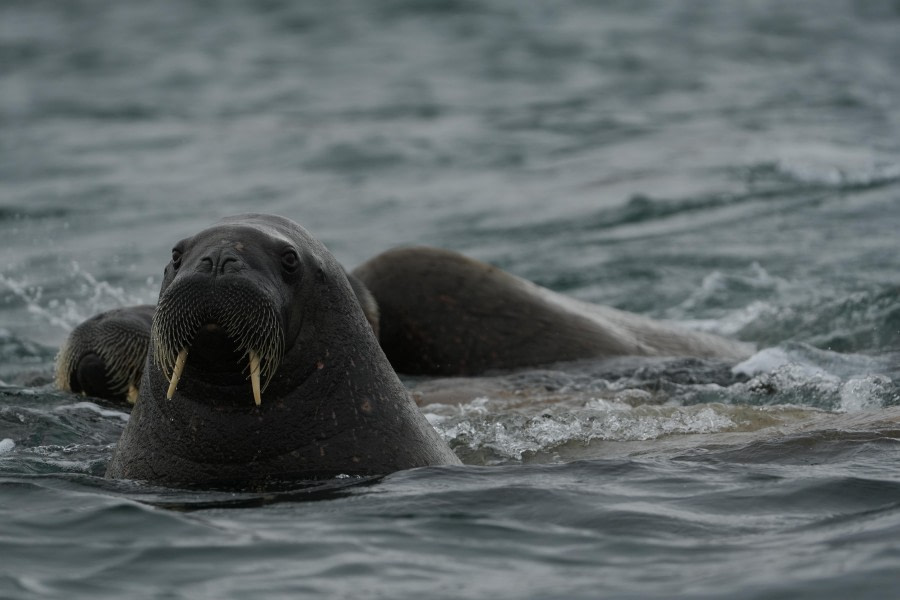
(732, 167)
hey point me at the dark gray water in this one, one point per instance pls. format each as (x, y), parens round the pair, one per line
(734, 167)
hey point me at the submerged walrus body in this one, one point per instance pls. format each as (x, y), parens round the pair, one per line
(442, 313)
(267, 361)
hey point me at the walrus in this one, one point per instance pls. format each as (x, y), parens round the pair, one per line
(226, 314)
(256, 297)
(442, 313)
(437, 312)
(104, 356)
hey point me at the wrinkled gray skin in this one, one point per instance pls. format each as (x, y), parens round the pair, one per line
(333, 406)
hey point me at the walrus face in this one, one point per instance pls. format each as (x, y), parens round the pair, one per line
(228, 302)
(104, 356)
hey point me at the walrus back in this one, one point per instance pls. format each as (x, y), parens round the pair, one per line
(442, 313)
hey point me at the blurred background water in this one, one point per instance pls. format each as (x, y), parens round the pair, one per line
(734, 167)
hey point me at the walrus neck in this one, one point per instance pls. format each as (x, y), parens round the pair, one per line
(299, 427)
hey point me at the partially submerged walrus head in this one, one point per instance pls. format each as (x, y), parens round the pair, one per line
(255, 297)
(104, 356)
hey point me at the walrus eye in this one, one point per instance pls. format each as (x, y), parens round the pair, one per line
(290, 261)
(176, 258)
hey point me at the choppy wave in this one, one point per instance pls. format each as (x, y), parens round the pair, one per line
(524, 531)
(577, 411)
(732, 167)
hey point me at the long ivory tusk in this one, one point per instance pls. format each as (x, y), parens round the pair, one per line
(254, 377)
(176, 374)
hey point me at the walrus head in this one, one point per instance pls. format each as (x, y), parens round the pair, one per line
(228, 306)
(104, 356)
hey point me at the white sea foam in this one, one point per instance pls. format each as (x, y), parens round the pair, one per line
(864, 393)
(503, 435)
(31, 296)
(90, 296)
(840, 171)
(103, 412)
(764, 361)
(6, 445)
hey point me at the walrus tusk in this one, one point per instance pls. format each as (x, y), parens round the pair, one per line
(176, 374)
(254, 377)
(132, 394)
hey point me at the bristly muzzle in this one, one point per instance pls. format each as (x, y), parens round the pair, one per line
(243, 313)
(121, 347)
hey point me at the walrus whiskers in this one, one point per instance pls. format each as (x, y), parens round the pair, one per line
(248, 320)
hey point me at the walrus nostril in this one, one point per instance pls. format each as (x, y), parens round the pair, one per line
(219, 262)
(229, 264)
